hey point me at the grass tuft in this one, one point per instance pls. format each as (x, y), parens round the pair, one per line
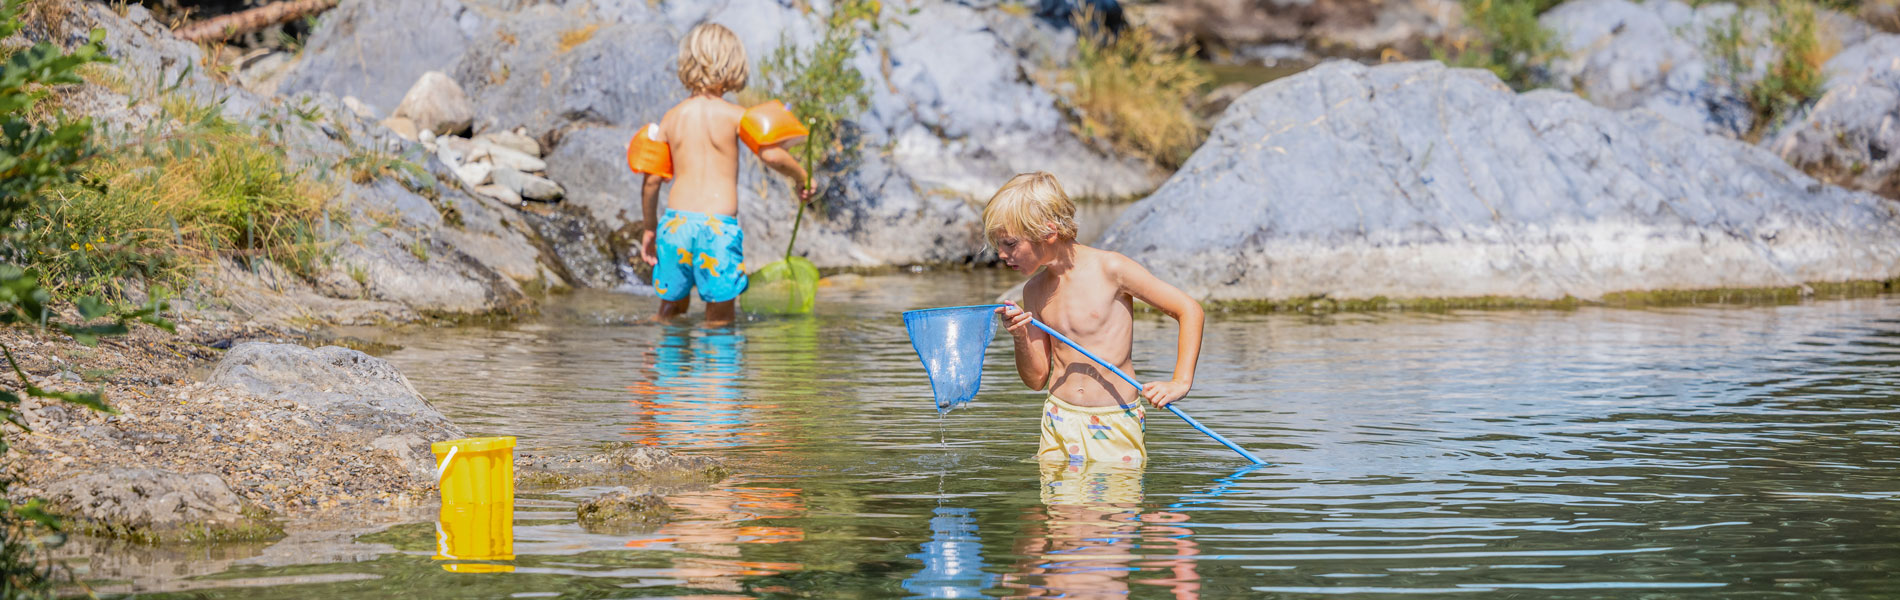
(1504, 37)
(1799, 47)
(1134, 91)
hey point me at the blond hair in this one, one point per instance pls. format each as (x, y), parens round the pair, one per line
(1031, 205)
(712, 61)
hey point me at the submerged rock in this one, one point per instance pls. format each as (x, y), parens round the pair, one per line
(621, 511)
(157, 506)
(646, 465)
(1415, 180)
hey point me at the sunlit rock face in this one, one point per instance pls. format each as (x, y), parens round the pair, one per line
(1416, 180)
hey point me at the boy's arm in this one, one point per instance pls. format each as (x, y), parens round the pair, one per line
(1032, 346)
(780, 160)
(1138, 282)
(650, 214)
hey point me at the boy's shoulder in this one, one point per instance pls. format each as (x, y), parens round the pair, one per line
(723, 106)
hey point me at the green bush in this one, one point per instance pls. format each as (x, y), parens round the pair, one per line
(820, 85)
(1794, 77)
(1505, 38)
(38, 153)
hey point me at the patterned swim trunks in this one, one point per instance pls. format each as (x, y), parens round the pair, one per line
(1076, 434)
(699, 250)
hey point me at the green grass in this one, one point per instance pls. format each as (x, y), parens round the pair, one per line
(1504, 37)
(1799, 46)
(1135, 92)
(193, 189)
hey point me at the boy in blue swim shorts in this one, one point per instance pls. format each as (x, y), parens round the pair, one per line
(697, 242)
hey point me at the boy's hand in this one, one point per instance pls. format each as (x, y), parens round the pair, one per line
(648, 249)
(1016, 320)
(1162, 393)
(805, 192)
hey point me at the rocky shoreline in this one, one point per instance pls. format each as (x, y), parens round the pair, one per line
(261, 440)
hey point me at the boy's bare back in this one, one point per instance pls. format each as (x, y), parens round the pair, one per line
(702, 133)
(1087, 303)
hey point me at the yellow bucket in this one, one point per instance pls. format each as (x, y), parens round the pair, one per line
(475, 532)
(476, 470)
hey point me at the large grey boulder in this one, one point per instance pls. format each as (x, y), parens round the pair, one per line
(548, 68)
(154, 505)
(1361, 27)
(1415, 180)
(1852, 134)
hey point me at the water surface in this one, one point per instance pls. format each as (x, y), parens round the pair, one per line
(1716, 452)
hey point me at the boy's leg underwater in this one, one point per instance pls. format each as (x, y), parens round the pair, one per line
(720, 313)
(672, 309)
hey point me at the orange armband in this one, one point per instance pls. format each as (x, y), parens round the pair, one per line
(647, 154)
(770, 124)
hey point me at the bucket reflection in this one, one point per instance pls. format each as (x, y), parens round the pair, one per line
(475, 532)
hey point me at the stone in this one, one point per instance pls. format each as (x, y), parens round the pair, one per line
(154, 505)
(513, 141)
(621, 511)
(500, 192)
(351, 390)
(646, 465)
(1851, 136)
(1363, 27)
(509, 158)
(1413, 180)
(474, 174)
(529, 186)
(436, 103)
(402, 126)
(361, 109)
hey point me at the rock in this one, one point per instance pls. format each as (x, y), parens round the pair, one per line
(509, 158)
(152, 505)
(513, 141)
(355, 391)
(500, 192)
(411, 451)
(1654, 55)
(544, 71)
(436, 103)
(626, 463)
(474, 174)
(361, 109)
(529, 186)
(1417, 181)
(605, 189)
(375, 50)
(263, 72)
(585, 251)
(1362, 27)
(403, 127)
(1851, 136)
(621, 511)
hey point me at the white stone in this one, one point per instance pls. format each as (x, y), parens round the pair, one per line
(510, 158)
(438, 104)
(529, 186)
(474, 173)
(500, 192)
(512, 141)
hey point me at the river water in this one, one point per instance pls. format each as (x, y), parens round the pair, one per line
(1716, 452)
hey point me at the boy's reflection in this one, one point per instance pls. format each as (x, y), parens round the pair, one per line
(1082, 543)
(691, 397)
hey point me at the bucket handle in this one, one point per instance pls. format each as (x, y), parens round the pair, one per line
(443, 467)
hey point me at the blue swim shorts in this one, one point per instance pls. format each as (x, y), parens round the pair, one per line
(699, 250)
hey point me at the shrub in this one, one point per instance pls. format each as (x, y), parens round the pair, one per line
(1505, 38)
(820, 84)
(1798, 49)
(37, 153)
(1134, 91)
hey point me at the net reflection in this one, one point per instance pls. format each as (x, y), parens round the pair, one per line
(953, 558)
(690, 397)
(1088, 538)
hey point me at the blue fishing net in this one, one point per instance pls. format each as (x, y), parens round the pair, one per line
(951, 342)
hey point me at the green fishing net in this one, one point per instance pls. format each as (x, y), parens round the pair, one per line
(785, 287)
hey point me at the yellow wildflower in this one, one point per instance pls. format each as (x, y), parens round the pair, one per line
(75, 246)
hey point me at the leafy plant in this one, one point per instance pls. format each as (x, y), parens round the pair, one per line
(821, 86)
(1793, 77)
(35, 155)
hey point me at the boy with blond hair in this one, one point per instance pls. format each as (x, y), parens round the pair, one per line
(1088, 295)
(697, 243)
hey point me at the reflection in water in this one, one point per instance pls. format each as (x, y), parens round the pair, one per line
(1088, 538)
(953, 558)
(690, 397)
(470, 531)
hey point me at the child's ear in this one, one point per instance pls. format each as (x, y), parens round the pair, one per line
(1049, 236)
